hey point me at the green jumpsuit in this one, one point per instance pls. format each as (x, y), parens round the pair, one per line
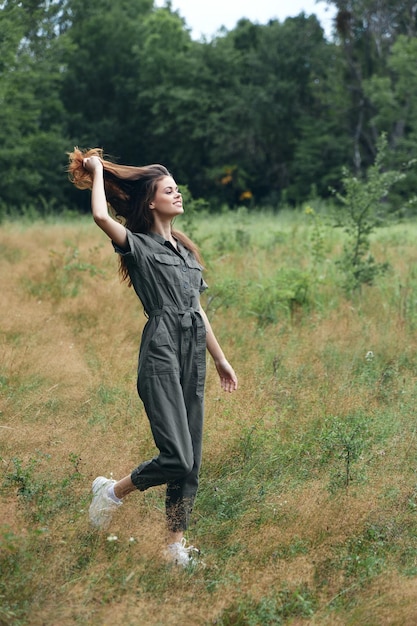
(171, 368)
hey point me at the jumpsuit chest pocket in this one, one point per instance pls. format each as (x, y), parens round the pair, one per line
(194, 272)
(171, 269)
(167, 269)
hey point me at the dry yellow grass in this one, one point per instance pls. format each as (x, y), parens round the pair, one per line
(68, 365)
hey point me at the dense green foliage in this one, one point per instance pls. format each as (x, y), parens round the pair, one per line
(262, 113)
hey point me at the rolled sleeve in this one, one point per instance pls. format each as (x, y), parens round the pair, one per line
(130, 246)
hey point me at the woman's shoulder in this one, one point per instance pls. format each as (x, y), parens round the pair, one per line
(136, 244)
(143, 245)
(141, 239)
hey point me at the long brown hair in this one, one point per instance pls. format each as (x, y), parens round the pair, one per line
(129, 191)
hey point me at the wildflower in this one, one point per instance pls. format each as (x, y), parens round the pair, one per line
(369, 355)
(112, 538)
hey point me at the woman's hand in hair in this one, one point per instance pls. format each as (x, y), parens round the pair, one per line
(93, 164)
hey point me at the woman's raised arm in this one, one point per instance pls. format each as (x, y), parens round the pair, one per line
(112, 228)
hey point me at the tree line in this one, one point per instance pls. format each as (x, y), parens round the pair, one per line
(260, 114)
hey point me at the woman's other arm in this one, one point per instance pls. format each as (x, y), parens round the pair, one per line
(112, 228)
(228, 378)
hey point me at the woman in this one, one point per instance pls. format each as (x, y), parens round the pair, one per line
(163, 267)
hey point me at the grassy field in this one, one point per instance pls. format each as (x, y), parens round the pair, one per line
(307, 509)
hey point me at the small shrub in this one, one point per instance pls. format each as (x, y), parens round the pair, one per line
(281, 296)
(41, 495)
(64, 276)
(344, 441)
(364, 208)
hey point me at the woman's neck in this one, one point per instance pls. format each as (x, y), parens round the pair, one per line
(165, 231)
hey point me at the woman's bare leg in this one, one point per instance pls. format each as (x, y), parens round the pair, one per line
(123, 487)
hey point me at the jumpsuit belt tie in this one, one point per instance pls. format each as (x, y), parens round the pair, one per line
(191, 321)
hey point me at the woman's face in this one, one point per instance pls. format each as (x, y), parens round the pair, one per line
(167, 202)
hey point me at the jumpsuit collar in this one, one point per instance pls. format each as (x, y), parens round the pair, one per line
(166, 243)
(157, 237)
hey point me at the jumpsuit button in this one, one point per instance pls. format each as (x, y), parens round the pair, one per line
(184, 269)
(186, 285)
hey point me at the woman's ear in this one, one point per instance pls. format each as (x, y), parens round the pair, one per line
(151, 205)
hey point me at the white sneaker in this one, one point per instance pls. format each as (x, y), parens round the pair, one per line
(102, 507)
(180, 554)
